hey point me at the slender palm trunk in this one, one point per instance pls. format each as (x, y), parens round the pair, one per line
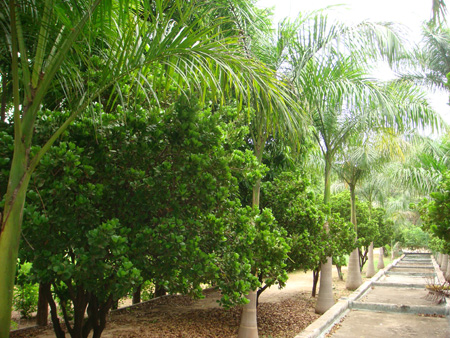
(249, 325)
(10, 232)
(354, 279)
(370, 263)
(325, 300)
(444, 266)
(4, 98)
(381, 259)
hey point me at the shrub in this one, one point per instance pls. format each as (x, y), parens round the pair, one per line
(26, 293)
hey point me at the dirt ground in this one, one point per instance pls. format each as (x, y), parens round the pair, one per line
(281, 313)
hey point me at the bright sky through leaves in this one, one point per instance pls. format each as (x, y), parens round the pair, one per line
(410, 13)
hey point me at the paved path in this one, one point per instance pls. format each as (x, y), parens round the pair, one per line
(395, 304)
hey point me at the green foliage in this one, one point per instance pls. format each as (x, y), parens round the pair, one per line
(297, 211)
(26, 292)
(415, 238)
(439, 209)
(149, 196)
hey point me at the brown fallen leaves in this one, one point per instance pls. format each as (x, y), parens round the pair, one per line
(181, 317)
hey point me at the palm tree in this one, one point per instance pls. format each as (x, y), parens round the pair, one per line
(430, 61)
(274, 116)
(48, 49)
(343, 99)
(358, 159)
(328, 83)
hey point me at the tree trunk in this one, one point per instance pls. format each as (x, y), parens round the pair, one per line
(160, 290)
(42, 310)
(381, 259)
(370, 264)
(354, 279)
(444, 266)
(249, 325)
(261, 289)
(363, 258)
(137, 295)
(447, 275)
(339, 271)
(325, 299)
(59, 333)
(4, 97)
(316, 274)
(10, 232)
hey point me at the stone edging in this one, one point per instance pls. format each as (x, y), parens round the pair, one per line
(326, 322)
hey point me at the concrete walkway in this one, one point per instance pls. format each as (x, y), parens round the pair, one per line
(395, 303)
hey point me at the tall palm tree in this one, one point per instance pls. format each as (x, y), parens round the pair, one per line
(361, 156)
(50, 43)
(335, 89)
(274, 116)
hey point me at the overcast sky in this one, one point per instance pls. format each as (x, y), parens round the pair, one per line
(410, 13)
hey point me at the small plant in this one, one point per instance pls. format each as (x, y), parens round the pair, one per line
(438, 292)
(14, 325)
(26, 293)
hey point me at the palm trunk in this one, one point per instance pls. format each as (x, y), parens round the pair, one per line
(10, 232)
(447, 275)
(326, 299)
(4, 97)
(249, 324)
(354, 279)
(381, 259)
(444, 266)
(370, 263)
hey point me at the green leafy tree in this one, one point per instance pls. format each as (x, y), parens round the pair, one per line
(297, 210)
(51, 43)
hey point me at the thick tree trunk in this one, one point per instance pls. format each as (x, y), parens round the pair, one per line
(381, 259)
(249, 325)
(354, 279)
(42, 310)
(316, 274)
(370, 264)
(325, 299)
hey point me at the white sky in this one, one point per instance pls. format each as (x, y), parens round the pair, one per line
(410, 13)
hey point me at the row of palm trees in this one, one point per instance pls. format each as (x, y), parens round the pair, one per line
(311, 79)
